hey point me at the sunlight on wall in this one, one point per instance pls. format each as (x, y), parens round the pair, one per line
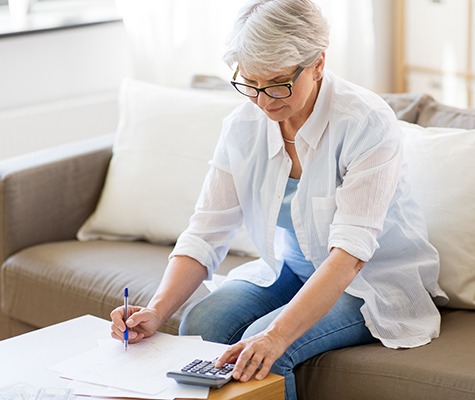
(449, 56)
(351, 53)
(181, 22)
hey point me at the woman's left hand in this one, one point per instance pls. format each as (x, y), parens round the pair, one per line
(248, 355)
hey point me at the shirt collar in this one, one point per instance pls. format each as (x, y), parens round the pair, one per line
(316, 124)
(274, 138)
(313, 129)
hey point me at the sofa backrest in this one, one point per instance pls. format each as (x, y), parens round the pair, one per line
(407, 106)
(425, 111)
(434, 113)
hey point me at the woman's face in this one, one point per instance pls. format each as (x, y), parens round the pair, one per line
(304, 92)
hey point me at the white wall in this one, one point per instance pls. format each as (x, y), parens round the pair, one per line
(60, 86)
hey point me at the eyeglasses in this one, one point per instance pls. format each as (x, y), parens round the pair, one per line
(276, 90)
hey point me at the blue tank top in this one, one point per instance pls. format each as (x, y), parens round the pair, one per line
(293, 255)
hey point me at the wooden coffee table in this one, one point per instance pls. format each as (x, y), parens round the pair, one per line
(271, 388)
(25, 359)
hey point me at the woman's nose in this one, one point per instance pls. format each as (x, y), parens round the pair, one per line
(263, 99)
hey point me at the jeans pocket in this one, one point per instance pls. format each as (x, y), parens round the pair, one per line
(323, 212)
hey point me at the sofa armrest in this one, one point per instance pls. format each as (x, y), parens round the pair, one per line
(45, 196)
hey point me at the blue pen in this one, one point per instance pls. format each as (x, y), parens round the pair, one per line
(126, 315)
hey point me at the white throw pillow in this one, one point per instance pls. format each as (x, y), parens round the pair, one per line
(442, 174)
(165, 138)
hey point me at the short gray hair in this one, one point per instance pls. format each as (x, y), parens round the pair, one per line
(270, 35)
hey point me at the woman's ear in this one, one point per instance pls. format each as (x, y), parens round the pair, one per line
(319, 66)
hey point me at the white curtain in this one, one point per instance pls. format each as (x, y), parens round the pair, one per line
(171, 40)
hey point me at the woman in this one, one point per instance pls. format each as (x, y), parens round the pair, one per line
(312, 165)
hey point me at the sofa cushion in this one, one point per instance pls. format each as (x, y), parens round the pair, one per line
(434, 113)
(442, 175)
(71, 278)
(160, 158)
(438, 371)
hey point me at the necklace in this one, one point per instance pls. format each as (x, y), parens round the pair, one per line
(288, 141)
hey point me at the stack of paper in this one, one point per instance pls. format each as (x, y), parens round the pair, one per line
(139, 372)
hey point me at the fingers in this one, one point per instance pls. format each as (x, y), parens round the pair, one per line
(253, 356)
(247, 364)
(118, 325)
(247, 361)
(137, 317)
(265, 369)
(230, 356)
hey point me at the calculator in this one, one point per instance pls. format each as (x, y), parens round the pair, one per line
(203, 373)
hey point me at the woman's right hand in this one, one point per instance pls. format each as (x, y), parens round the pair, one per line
(142, 322)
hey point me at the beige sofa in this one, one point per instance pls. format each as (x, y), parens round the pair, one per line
(48, 276)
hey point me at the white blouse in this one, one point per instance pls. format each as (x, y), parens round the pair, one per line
(353, 194)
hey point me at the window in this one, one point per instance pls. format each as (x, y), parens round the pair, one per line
(5, 2)
(47, 15)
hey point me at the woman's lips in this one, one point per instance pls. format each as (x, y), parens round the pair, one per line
(274, 110)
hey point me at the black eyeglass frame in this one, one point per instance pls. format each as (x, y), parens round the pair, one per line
(258, 90)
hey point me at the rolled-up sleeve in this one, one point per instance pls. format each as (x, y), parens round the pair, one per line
(372, 165)
(214, 223)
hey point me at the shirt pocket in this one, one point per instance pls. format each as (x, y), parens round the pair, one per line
(323, 212)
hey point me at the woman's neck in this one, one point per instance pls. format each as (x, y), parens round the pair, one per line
(290, 126)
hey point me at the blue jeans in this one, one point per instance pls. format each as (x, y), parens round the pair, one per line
(239, 309)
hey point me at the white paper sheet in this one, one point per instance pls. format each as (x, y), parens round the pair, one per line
(142, 368)
(174, 390)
